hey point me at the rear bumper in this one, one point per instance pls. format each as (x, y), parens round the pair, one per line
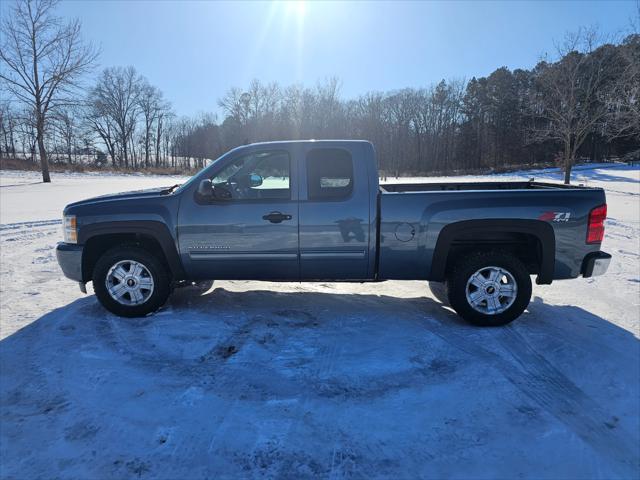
(595, 264)
(70, 260)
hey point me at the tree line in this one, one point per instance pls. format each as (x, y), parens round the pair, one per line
(582, 103)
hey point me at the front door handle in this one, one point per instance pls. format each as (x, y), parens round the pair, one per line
(276, 217)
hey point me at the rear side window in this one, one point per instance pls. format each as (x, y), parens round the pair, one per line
(329, 174)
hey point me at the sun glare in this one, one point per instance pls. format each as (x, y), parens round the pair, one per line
(295, 7)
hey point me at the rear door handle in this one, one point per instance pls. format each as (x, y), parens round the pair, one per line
(276, 217)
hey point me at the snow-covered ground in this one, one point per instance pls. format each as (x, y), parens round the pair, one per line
(257, 379)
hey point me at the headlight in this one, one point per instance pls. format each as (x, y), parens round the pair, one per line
(70, 228)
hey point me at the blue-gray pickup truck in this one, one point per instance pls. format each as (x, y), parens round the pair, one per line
(314, 210)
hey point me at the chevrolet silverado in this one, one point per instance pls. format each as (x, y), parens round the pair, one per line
(314, 210)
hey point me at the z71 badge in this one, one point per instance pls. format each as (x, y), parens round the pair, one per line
(555, 216)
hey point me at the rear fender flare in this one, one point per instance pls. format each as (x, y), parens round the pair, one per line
(539, 229)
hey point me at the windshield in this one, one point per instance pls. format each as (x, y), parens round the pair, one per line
(197, 175)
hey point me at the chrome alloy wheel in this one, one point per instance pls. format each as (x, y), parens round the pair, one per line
(491, 290)
(129, 282)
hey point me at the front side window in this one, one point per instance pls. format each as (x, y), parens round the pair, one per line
(329, 174)
(260, 175)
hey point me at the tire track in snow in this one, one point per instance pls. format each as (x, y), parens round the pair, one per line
(25, 231)
(20, 184)
(538, 379)
(622, 192)
(26, 225)
(551, 389)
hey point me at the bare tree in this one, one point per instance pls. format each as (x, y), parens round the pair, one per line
(115, 101)
(154, 111)
(149, 101)
(43, 60)
(8, 125)
(569, 94)
(623, 100)
(99, 121)
(27, 133)
(163, 116)
(64, 123)
(236, 104)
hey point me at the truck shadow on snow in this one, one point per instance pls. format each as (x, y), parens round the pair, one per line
(317, 384)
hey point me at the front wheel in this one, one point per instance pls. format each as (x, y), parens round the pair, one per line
(130, 281)
(489, 288)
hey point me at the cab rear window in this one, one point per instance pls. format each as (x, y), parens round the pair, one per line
(329, 174)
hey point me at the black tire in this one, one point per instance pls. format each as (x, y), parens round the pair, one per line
(468, 266)
(439, 291)
(156, 269)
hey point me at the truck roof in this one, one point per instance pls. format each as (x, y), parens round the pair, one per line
(286, 142)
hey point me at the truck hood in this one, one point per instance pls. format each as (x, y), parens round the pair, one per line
(132, 195)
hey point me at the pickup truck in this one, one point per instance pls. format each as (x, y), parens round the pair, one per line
(314, 210)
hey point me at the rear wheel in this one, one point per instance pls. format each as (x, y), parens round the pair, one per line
(489, 288)
(130, 281)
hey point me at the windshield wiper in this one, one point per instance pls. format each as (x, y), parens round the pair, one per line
(170, 189)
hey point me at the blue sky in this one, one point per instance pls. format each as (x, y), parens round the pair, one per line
(195, 51)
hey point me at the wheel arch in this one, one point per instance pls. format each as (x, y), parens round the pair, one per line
(489, 233)
(153, 236)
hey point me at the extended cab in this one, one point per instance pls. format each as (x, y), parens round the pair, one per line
(313, 210)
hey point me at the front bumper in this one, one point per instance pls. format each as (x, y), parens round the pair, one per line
(595, 264)
(70, 260)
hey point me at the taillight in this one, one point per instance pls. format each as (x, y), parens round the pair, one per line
(595, 231)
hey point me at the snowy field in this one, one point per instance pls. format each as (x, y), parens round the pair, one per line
(257, 379)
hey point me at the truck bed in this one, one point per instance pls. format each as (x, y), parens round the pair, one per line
(439, 186)
(413, 215)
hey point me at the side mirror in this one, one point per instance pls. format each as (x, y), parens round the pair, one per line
(255, 180)
(247, 180)
(205, 189)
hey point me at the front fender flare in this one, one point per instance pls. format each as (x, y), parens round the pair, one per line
(154, 229)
